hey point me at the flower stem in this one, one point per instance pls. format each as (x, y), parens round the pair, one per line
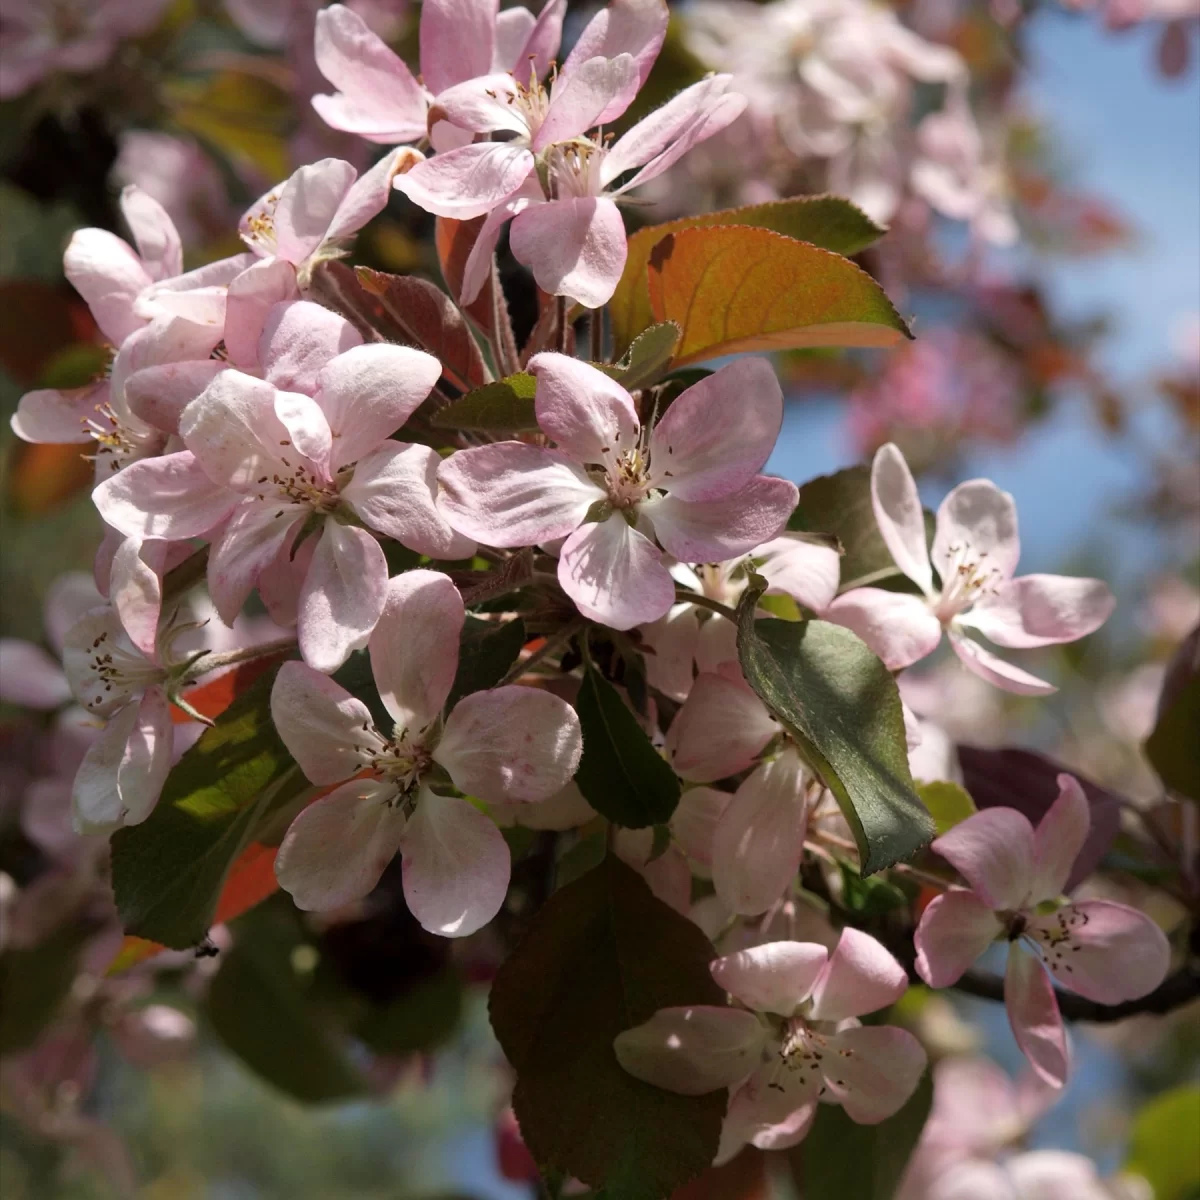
(683, 596)
(552, 643)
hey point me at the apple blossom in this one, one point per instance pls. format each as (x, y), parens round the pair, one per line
(975, 550)
(269, 466)
(507, 744)
(691, 483)
(377, 96)
(791, 1039)
(1105, 951)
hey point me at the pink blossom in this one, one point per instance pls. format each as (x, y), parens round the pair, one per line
(377, 96)
(566, 225)
(1036, 1175)
(269, 465)
(75, 36)
(975, 550)
(507, 744)
(612, 488)
(791, 1038)
(1104, 951)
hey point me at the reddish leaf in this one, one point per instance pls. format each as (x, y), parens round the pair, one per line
(251, 880)
(455, 240)
(735, 289)
(43, 476)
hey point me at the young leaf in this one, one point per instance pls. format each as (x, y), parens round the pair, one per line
(1167, 747)
(260, 1006)
(839, 1158)
(621, 775)
(826, 221)
(169, 871)
(842, 706)
(739, 289)
(503, 407)
(601, 956)
(404, 309)
(647, 359)
(840, 504)
(948, 803)
(1163, 1146)
(487, 649)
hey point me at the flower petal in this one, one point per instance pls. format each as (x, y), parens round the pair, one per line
(590, 416)
(96, 806)
(593, 90)
(977, 522)
(1107, 952)
(749, 1122)
(342, 597)
(104, 270)
(146, 762)
(716, 530)
(718, 434)
(1034, 1017)
(634, 27)
(154, 233)
(773, 978)
(307, 428)
(368, 392)
(456, 866)
(59, 417)
(479, 262)
(394, 490)
(251, 297)
(899, 515)
(170, 497)
(873, 1070)
(467, 182)
(615, 575)
(414, 648)
(29, 677)
(299, 339)
(368, 196)
(759, 840)
(720, 731)
(511, 494)
(308, 201)
(671, 651)
(378, 98)
(247, 546)
(457, 39)
(1058, 839)
(159, 394)
(575, 247)
(955, 929)
(995, 670)
(807, 572)
(900, 628)
(694, 824)
(861, 977)
(993, 851)
(511, 743)
(1042, 610)
(692, 1050)
(326, 730)
(335, 851)
(135, 589)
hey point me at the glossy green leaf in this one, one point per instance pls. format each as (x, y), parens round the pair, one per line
(948, 803)
(841, 705)
(621, 775)
(825, 221)
(261, 1004)
(167, 872)
(503, 407)
(647, 359)
(602, 955)
(1163, 1148)
(487, 649)
(840, 1159)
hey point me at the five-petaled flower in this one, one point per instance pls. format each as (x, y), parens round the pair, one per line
(792, 1039)
(1104, 951)
(975, 551)
(507, 744)
(612, 488)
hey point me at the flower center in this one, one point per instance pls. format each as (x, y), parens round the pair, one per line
(114, 669)
(303, 484)
(627, 476)
(968, 577)
(402, 760)
(118, 442)
(573, 168)
(1058, 942)
(260, 225)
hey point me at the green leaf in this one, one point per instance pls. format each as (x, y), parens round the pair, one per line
(647, 359)
(948, 803)
(487, 649)
(621, 775)
(869, 897)
(1173, 748)
(840, 504)
(35, 980)
(841, 705)
(1163, 1147)
(840, 1159)
(505, 406)
(602, 955)
(260, 1005)
(167, 872)
(825, 221)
